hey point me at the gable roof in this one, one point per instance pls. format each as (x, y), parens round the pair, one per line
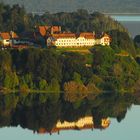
(106, 35)
(43, 29)
(64, 35)
(87, 35)
(14, 35)
(5, 35)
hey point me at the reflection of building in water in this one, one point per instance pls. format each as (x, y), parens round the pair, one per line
(83, 123)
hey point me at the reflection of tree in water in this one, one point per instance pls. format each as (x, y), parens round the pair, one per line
(41, 112)
(38, 115)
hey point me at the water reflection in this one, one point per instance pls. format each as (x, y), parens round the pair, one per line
(84, 123)
(50, 113)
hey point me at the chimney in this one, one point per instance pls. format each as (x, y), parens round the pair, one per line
(59, 28)
(52, 30)
(11, 34)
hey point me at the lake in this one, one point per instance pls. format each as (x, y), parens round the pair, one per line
(110, 116)
(132, 23)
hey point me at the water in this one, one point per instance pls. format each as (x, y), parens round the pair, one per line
(37, 117)
(132, 23)
(127, 130)
(127, 18)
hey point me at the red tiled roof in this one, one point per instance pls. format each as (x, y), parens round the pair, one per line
(72, 35)
(5, 35)
(43, 29)
(14, 35)
(64, 35)
(87, 35)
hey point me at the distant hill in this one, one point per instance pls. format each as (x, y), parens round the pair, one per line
(121, 6)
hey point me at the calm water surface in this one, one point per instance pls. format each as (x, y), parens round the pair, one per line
(132, 23)
(126, 18)
(45, 116)
(128, 129)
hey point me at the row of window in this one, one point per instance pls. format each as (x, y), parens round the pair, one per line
(75, 42)
(70, 44)
(70, 40)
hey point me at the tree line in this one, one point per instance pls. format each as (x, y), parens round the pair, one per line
(16, 18)
(49, 70)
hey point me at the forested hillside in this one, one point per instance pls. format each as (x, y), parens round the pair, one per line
(16, 18)
(112, 68)
(71, 5)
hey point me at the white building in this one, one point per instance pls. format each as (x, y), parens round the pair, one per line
(7, 38)
(105, 40)
(85, 39)
(64, 40)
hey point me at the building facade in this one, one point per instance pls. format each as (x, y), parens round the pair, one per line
(85, 39)
(8, 38)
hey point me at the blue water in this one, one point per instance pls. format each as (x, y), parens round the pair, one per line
(128, 129)
(132, 23)
(126, 18)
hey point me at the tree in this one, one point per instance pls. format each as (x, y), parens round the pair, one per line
(15, 81)
(103, 58)
(7, 81)
(72, 62)
(122, 41)
(43, 84)
(77, 78)
(54, 86)
(74, 91)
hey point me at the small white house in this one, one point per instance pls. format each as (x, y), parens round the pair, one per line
(7, 38)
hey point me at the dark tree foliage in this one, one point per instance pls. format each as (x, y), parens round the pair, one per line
(122, 41)
(73, 62)
(137, 41)
(40, 63)
(80, 21)
(119, 72)
(16, 18)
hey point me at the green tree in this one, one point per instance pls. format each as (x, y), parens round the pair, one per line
(54, 86)
(77, 78)
(122, 41)
(43, 84)
(103, 58)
